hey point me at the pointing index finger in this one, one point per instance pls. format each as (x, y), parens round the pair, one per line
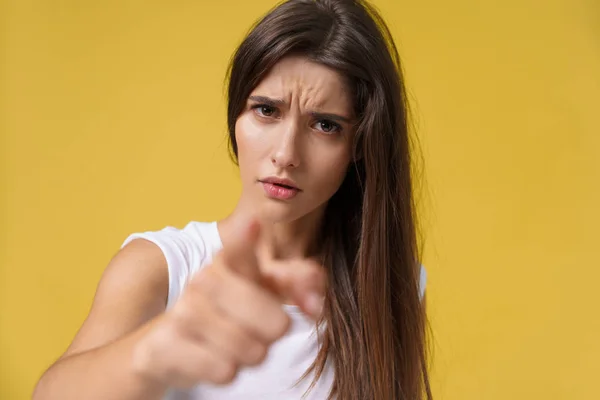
(240, 252)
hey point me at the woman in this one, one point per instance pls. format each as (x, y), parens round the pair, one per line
(311, 286)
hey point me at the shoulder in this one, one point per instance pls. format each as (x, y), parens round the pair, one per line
(195, 239)
(193, 232)
(132, 290)
(185, 250)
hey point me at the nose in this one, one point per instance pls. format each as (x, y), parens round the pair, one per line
(285, 152)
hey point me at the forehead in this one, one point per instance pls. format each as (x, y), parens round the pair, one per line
(298, 78)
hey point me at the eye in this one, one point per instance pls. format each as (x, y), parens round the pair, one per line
(327, 126)
(264, 110)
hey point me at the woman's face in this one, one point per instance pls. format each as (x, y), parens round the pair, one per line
(294, 140)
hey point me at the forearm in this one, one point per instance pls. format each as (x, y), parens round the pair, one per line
(105, 373)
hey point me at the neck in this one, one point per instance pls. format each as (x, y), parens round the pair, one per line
(294, 239)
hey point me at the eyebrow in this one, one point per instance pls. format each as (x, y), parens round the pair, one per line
(317, 115)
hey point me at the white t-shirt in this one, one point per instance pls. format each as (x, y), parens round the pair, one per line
(187, 250)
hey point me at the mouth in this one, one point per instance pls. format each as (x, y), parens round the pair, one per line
(280, 182)
(279, 189)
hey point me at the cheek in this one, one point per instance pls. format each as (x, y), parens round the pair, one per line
(329, 170)
(249, 143)
(244, 134)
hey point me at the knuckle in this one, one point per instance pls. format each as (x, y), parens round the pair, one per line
(256, 354)
(189, 317)
(243, 346)
(180, 313)
(225, 373)
(172, 373)
(239, 344)
(209, 282)
(219, 261)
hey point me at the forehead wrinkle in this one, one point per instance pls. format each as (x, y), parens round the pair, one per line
(306, 89)
(316, 94)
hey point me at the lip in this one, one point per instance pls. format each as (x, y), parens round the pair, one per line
(280, 181)
(279, 188)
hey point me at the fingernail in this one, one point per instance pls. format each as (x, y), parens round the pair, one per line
(314, 304)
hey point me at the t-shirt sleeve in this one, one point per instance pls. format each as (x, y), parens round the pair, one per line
(184, 254)
(422, 281)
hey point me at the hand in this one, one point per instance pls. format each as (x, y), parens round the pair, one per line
(228, 316)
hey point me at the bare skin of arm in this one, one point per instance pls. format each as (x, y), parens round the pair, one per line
(98, 363)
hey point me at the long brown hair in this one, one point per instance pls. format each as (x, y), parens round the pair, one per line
(375, 320)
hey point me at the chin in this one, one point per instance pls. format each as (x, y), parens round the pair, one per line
(279, 212)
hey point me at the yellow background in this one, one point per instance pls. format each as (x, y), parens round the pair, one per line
(113, 121)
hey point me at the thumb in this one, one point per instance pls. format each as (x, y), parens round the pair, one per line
(240, 252)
